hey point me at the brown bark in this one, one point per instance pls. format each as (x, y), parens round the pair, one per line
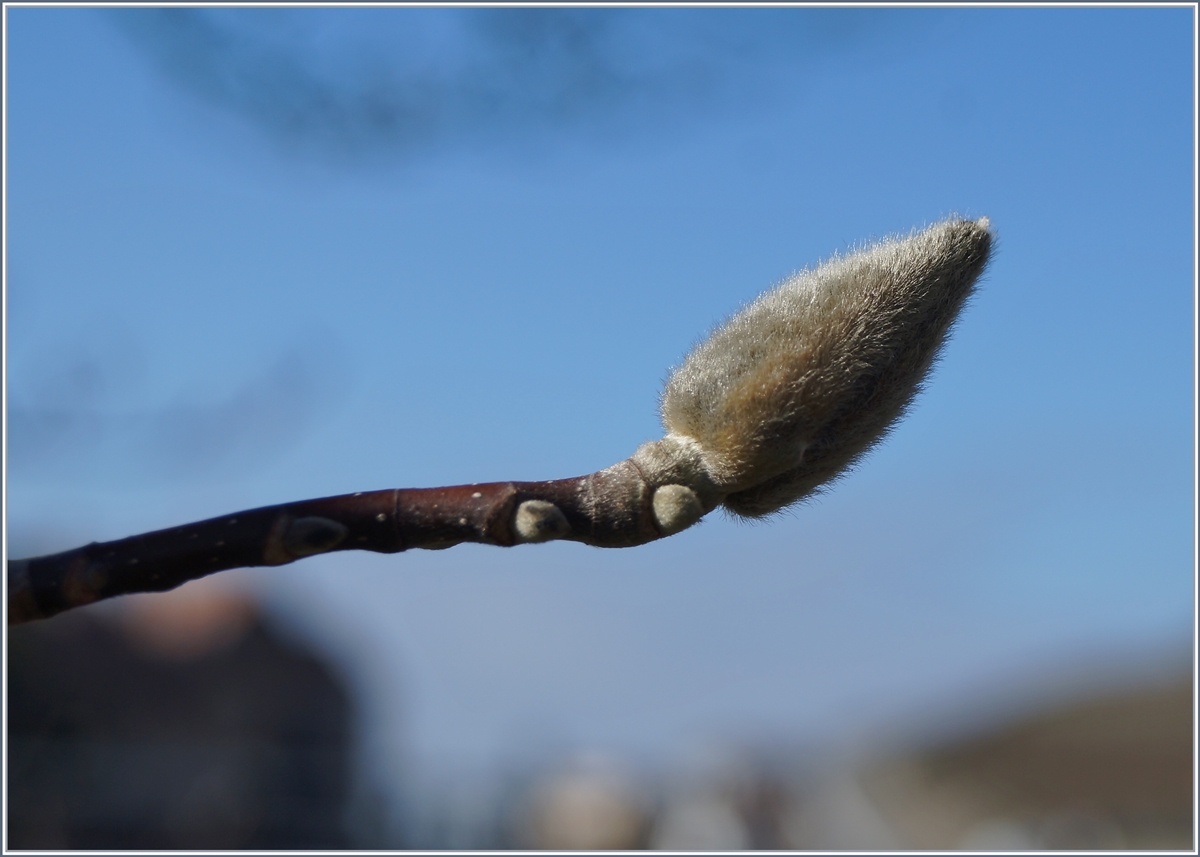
(610, 508)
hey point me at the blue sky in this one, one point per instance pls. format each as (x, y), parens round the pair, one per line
(259, 255)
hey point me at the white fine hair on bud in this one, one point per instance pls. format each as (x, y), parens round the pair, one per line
(675, 507)
(539, 521)
(792, 390)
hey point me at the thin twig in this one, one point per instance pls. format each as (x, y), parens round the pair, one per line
(611, 508)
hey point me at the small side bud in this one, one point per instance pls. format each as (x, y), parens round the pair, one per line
(676, 507)
(539, 521)
(678, 460)
(309, 536)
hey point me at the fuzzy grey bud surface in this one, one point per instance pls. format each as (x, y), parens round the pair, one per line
(794, 389)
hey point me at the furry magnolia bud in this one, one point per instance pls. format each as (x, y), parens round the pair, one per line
(792, 390)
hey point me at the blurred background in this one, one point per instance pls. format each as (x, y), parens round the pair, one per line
(258, 255)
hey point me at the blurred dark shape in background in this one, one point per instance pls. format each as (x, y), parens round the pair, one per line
(589, 804)
(436, 79)
(184, 721)
(85, 411)
(1111, 770)
(176, 721)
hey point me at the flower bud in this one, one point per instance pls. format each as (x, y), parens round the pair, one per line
(795, 388)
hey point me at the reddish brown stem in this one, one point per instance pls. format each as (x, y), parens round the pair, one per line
(611, 508)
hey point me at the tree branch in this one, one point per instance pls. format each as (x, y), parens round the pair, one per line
(779, 401)
(615, 507)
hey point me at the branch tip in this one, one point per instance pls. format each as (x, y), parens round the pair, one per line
(776, 403)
